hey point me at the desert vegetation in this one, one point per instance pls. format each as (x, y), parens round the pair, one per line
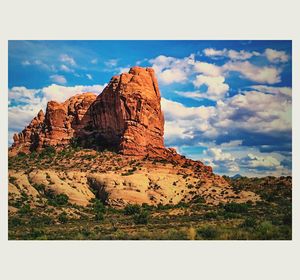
(48, 215)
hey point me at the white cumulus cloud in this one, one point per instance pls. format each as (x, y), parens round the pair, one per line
(231, 54)
(276, 56)
(274, 90)
(216, 86)
(261, 74)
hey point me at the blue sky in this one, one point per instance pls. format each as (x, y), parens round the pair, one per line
(227, 103)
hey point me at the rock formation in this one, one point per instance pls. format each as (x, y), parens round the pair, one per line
(126, 116)
(57, 127)
(128, 113)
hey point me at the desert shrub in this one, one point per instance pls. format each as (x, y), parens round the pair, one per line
(21, 156)
(12, 179)
(130, 171)
(207, 232)
(198, 199)
(15, 221)
(40, 220)
(98, 209)
(266, 231)
(63, 217)
(249, 223)
(36, 233)
(287, 219)
(141, 218)
(56, 199)
(210, 215)
(181, 204)
(131, 209)
(161, 206)
(236, 207)
(61, 199)
(97, 205)
(47, 152)
(147, 207)
(25, 209)
(99, 216)
(120, 235)
(32, 155)
(75, 143)
(174, 234)
(40, 187)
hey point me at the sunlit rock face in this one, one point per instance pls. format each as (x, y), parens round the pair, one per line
(126, 116)
(128, 113)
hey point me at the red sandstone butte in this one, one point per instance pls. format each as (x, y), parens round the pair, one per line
(126, 115)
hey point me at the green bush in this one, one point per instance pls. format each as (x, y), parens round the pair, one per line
(131, 209)
(230, 215)
(12, 179)
(147, 206)
(63, 217)
(15, 221)
(61, 199)
(287, 219)
(207, 232)
(40, 187)
(98, 209)
(141, 218)
(25, 209)
(210, 216)
(99, 216)
(97, 205)
(198, 199)
(21, 155)
(47, 152)
(36, 233)
(41, 220)
(249, 223)
(56, 199)
(236, 207)
(267, 231)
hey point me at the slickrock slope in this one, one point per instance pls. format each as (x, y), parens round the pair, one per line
(118, 179)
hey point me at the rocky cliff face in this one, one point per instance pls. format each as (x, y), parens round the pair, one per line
(128, 113)
(126, 116)
(57, 127)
